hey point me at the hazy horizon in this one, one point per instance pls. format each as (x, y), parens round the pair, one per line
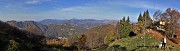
(54, 19)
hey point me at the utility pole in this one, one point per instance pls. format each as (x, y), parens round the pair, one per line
(154, 11)
(144, 31)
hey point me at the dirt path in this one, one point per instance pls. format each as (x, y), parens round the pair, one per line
(159, 35)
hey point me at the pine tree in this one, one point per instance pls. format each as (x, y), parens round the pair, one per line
(144, 21)
(128, 19)
(148, 16)
(124, 19)
(144, 17)
(147, 19)
(140, 17)
(124, 28)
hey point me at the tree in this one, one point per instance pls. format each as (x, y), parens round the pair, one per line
(140, 18)
(157, 14)
(124, 19)
(128, 19)
(97, 36)
(172, 19)
(110, 38)
(13, 46)
(140, 23)
(124, 28)
(145, 20)
(81, 43)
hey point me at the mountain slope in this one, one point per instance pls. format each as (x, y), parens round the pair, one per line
(60, 28)
(30, 26)
(99, 35)
(12, 38)
(63, 30)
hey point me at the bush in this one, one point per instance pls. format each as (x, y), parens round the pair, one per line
(13, 46)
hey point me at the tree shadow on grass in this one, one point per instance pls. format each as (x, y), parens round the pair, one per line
(118, 47)
(138, 47)
(131, 34)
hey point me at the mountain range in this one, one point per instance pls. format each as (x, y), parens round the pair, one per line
(59, 28)
(84, 23)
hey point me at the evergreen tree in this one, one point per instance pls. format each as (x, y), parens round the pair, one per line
(145, 20)
(124, 19)
(118, 27)
(124, 28)
(147, 15)
(128, 19)
(144, 17)
(140, 17)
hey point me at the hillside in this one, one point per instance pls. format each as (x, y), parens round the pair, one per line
(63, 30)
(157, 34)
(59, 28)
(100, 35)
(30, 26)
(148, 42)
(12, 38)
(91, 39)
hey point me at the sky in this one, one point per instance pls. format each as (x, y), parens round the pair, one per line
(37, 10)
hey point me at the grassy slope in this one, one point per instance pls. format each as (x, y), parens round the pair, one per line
(137, 43)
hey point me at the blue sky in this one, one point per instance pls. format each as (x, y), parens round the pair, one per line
(81, 9)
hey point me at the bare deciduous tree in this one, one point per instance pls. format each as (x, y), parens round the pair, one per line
(172, 18)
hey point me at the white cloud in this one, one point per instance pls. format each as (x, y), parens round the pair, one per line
(11, 8)
(32, 1)
(36, 1)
